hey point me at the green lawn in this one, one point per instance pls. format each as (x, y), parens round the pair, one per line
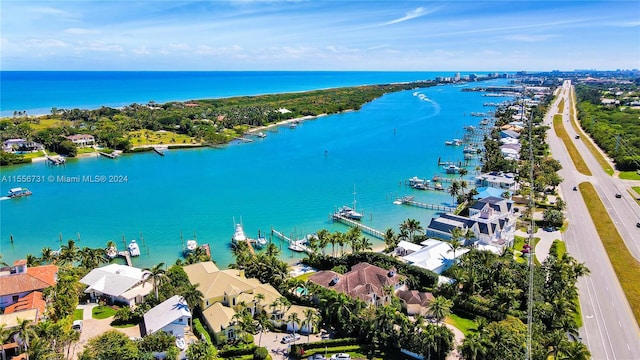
(102, 312)
(626, 267)
(305, 277)
(85, 150)
(78, 314)
(630, 175)
(463, 324)
(33, 155)
(148, 137)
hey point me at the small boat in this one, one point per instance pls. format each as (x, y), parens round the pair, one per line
(111, 252)
(452, 169)
(298, 245)
(192, 245)
(18, 192)
(238, 235)
(349, 213)
(469, 150)
(448, 142)
(261, 241)
(134, 249)
(417, 183)
(261, 135)
(438, 186)
(292, 125)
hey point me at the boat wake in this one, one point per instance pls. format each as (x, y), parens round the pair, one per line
(5, 198)
(436, 106)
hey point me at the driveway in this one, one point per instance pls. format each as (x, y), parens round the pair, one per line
(94, 327)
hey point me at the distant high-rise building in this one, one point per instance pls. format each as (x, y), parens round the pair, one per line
(457, 78)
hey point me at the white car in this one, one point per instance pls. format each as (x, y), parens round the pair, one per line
(341, 356)
(290, 338)
(77, 325)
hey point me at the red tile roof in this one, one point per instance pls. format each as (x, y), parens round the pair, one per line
(34, 300)
(361, 282)
(36, 278)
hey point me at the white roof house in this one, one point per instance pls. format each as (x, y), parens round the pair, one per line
(405, 248)
(435, 255)
(171, 316)
(121, 283)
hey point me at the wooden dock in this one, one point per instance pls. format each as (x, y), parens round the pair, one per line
(56, 160)
(126, 255)
(364, 228)
(159, 150)
(289, 241)
(411, 202)
(113, 155)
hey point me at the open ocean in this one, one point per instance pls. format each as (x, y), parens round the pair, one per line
(290, 181)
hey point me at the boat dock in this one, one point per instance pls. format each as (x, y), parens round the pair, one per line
(207, 249)
(112, 155)
(364, 228)
(56, 160)
(126, 255)
(285, 238)
(159, 150)
(408, 200)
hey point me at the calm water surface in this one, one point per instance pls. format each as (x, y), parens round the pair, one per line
(289, 181)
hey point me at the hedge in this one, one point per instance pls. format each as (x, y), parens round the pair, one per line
(200, 331)
(235, 351)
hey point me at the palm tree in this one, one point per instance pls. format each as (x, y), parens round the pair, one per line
(294, 319)
(272, 251)
(5, 333)
(390, 239)
(156, 275)
(262, 321)
(47, 255)
(33, 261)
(24, 329)
(193, 296)
(468, 235)
(454, 245)
(472, 346)
(456, 234)
(323, 239)
(365, 244)
(333, 238)
(454, 190)
(440, 308)
(463, 172)
(310, 319)
(412, 226)
(257, 301)
(341, 239)
(68, 252)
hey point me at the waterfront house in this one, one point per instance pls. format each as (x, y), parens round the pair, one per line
(365, 282)
(20, 146)
(171, 316)
(82, 140)
(509, 133)
(18, 281)
(405, 248)
(434, 255)
(497, 180)
(118, 284)
(415, 302)
(226, 292)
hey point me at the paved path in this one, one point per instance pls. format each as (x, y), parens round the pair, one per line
(545, 242)
(458, 338)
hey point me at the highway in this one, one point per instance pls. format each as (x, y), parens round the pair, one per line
(609, 327)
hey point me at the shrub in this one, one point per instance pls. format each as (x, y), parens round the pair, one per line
(261, 353)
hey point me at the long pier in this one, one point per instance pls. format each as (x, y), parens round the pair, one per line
(125, 254)
(113, 155)
(411, 202)
(56, 160)
(364, 228)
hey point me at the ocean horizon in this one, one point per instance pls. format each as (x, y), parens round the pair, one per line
(37, 92)
(289, 181)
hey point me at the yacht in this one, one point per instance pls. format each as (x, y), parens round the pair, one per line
(134, 249)
(238, 235)
(262, 135)
(350, 213)
(452, 169)
(18, 192)
(469, 150)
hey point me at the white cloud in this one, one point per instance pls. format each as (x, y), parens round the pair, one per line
(415, 13)
(45, 43)
(142, 50)
(99, 46)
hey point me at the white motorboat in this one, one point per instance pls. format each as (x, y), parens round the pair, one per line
(261, 241)
(192, 245)
(134, 249)
(238, 235)
(111, 252)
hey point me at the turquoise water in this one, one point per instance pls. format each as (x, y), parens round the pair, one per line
(38, 91)
(290, 181)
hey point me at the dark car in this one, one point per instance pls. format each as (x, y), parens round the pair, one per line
(638, 225)
(575, 188)
(618, 196)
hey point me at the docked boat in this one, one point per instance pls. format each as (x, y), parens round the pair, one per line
(261, 241)
(452, 169)
(111, 252)
(134, 249)
(417, 183)
(298, 245)
(261, 135)
(349, 213)
(19, 192)
(192, 245)
(469, 150)
(454, 142)
(238, 235)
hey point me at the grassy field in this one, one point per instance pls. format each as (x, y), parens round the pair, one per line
(463, 324)
(78, 314)
(577, 159)
(34, 155)
(518, 243)
(630, 175)
(85, 150)
(627, 268)
(592, 148)
(49, 123)
(561, 106)
(148, 137)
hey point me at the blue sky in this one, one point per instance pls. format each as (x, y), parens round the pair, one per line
(319, 35)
